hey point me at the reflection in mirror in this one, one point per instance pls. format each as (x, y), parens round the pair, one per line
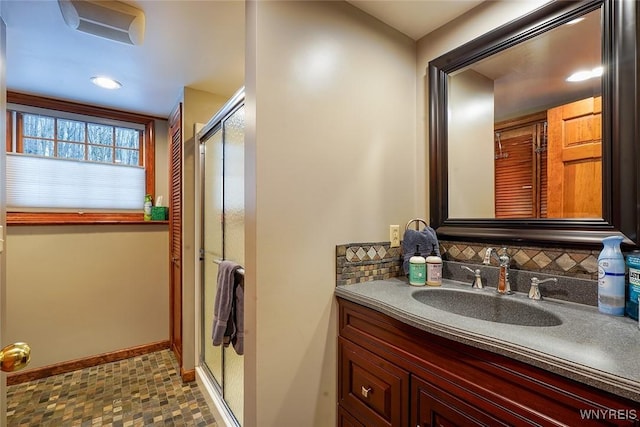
(579, 222)
(525, 128)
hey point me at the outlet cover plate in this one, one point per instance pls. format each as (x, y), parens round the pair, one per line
(394, 236)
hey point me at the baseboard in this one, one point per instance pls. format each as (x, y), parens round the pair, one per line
(73, 365)
(188, 376)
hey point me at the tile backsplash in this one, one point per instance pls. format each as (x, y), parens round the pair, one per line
(577, 269)
(576, 263)
(361, 262)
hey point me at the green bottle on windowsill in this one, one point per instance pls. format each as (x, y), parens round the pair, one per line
(147, 207)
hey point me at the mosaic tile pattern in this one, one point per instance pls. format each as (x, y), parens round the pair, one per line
(363, 262)
(576, 263)
(360, 262)
(359, 253)
(142, 391)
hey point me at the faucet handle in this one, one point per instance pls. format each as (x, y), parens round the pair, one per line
(477, 282)
(504, 258)
(538, 281)
(534, 291)
(487, 256)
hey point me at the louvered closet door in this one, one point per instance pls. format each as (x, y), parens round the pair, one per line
(515, 180)
(175, 230)
(543, 179)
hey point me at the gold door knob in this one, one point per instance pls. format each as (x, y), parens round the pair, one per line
(15, 357)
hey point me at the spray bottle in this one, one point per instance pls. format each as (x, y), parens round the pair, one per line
(611, 268)
(148, 202)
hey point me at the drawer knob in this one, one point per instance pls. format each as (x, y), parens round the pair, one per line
(365, 391)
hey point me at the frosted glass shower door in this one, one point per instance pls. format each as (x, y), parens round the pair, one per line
(223, 238)
(233, 226)
(212, 215)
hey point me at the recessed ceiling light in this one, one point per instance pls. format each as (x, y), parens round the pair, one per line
(582, 75)
(106, 82)
(579, 76)
(597, 72)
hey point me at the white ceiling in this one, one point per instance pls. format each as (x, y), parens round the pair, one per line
(199, 44)
(415, 18)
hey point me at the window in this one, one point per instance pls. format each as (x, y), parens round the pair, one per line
(70, 163)
(47, 136)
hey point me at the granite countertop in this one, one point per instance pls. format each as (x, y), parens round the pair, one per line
(588, 346)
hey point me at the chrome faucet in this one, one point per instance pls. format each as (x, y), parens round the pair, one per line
(534, 291)
(477, 282)
(503, 262)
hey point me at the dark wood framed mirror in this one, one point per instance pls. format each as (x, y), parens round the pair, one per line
(619, 208)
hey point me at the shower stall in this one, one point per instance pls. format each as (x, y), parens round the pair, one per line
(220, 205)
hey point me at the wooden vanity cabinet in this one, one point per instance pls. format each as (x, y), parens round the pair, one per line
(345, 419)
(433, 406)
(374, 390)
(393, 374)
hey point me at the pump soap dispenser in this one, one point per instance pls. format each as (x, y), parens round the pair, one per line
(417, 269)
(434, 268)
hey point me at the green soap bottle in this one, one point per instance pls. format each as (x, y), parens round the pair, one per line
(417, 269)
(148, 202)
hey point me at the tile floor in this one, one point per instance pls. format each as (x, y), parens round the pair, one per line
(141, 391)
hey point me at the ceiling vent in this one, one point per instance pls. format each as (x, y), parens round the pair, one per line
(111, 20)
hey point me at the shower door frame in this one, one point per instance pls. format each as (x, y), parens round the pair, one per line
(214, 392)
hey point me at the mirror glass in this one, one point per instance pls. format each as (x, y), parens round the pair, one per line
(524, 128)
(519, 155)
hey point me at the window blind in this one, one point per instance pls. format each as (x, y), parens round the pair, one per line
(40, 182)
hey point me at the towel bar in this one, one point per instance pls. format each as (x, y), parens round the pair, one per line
(240, 270)
(417, 221)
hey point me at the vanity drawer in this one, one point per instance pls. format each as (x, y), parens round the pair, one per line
(375, 391)
(345, 419)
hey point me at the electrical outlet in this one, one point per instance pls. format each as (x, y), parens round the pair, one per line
(394, 236)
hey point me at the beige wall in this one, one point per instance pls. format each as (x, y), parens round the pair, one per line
(162, 161)
(470, 146)
(330, 155)
(80, 291)
(197, 107)
(478, 21)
